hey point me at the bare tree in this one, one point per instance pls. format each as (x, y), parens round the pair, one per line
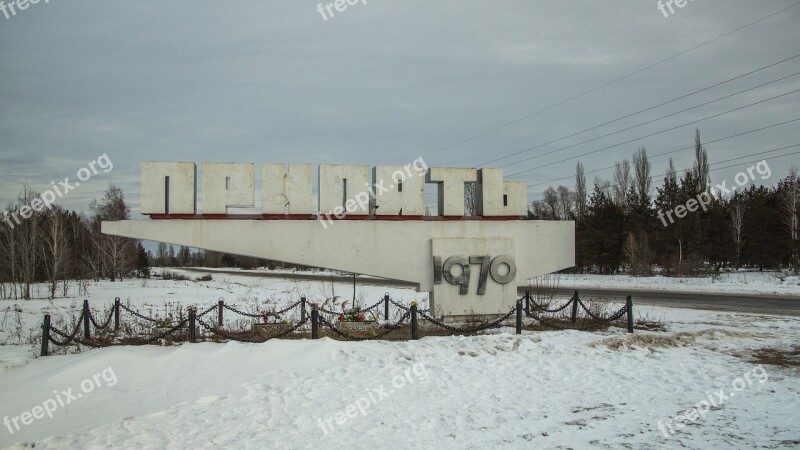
(54, 248)
(92, 255)
(700, 168)
(8, 251)
(212, 258)
(566, 203)
(641, 171)
(470, 199)
(184, 256)
(119, 254)
(790, 209)
(540, 210)
(551, 201)
(637, 252)
(737, 221)
(27, 241)
(161, 255)
(580, 191)
(672, 175)
(622, 182)
(603, 185)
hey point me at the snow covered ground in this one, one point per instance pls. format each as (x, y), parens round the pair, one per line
(742, 282)
(564, 389)
(20, 320)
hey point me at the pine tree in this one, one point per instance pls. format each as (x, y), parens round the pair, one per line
(604, 234)
(143, 265)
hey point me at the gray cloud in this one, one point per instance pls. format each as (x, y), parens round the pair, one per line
(379, 83)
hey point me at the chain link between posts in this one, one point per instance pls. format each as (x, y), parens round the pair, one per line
(485, 326)
(389, 329)
(68, 337)
(559, 309)
(406, 308)
(168, 332)
(105, 325)
(207, 311)
(600, 320)
(218, 332)
(258, 315)
(73, 337)
(138, 314)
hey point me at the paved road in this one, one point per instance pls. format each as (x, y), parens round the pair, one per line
(749, 303)
(763, 304)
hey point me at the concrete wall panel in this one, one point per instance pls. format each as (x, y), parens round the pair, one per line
(332, 195)
(182, 187)
(227, 185)
(390, 203)
(493, 190)
(281, 185)
(451, 187)
(397, 250)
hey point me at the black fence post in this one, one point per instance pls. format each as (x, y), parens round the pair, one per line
(46, 336)
(527, 303)
(314, 323)
(574, 315)
(386, 306)
(414, 325)
(86, 330)
(629, 305)
(220, 312)
(302, 308)
(116, 314)
(519, 316)
(192, 317)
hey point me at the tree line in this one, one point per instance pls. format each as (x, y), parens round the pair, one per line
(166, 256)
(620, 225)
(61, 247)
(686, 226)
(65, 249)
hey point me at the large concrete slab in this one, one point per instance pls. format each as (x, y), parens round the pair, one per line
(401, 250)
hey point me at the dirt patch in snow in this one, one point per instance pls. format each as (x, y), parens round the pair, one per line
(775, 357)
(683, 339)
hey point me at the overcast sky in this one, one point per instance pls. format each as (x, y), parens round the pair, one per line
(383, 83)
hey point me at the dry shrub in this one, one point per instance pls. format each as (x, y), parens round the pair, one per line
(647, 323)
(169, 275)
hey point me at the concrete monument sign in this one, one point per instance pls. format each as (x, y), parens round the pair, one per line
(368, 221)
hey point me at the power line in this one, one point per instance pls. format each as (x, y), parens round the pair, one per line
(610, 185)
(754, 154)
(656, 133)
(754, 161)
(641, 111)
(651, 121)
(484, 133)
(658, 155)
